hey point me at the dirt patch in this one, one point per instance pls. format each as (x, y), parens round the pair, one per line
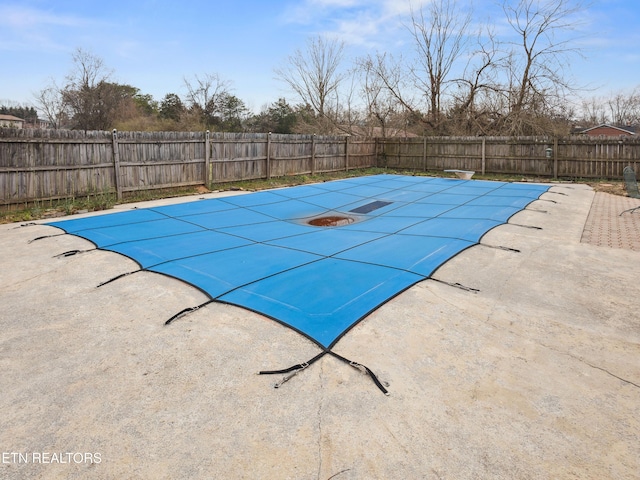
(614, 188)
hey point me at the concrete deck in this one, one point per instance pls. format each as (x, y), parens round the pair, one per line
(536, 376)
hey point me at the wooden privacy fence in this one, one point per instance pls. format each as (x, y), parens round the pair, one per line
(38, 165)
(243, 156)
(569, 157)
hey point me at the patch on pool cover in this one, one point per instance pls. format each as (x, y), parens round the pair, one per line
(258, 252)
(370, 207)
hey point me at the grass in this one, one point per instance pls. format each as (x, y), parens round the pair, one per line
(106, 200)
(93, 202)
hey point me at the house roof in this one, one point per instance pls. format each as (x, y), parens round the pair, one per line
(10, 118)
(627, 129)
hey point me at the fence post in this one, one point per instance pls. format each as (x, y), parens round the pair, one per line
(424, 153)
(555, 157)
(375, 151)
(207, 160)
(269, 156)
(116, 163)
(484, 155)
(313, 154)
(346, 153)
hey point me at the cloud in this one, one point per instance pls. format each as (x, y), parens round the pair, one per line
(356, 22)
(29, 29)
(20, 18)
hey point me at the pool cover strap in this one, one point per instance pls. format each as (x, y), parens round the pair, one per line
(295, 369)
(117, 277)
(361, 367)
(187, 310)
(46, 236)
(71, 253)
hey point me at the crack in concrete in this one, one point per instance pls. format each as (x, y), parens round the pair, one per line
(339, 473)
(492, 309)
(575, 357)
(629, 382)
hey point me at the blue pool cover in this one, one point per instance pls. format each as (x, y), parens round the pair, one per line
(258, 250)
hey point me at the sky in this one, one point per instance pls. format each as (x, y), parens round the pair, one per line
(154, 45)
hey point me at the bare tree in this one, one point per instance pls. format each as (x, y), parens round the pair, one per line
(536, 62)
(593, 111)
(88, 70)
(619, 108)
(315, 76)
(473, 108)
(393, 78)
(402, 88)
(380, 91)
(515, 85)
(88, 100)
(624, 109)
(206, 95)
(440, 35)
(51, 104)
(91, 100)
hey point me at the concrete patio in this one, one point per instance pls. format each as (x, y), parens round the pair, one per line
(535, 376)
